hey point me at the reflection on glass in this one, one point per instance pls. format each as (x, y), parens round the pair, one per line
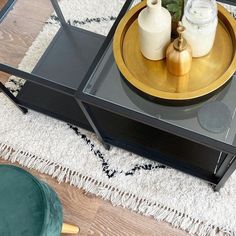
(108, 84)
(182, 82)
(215, 117)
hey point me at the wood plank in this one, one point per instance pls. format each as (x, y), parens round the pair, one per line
(4, 77)
(33, 9)
(118, 221)
(11, 54)
(95, 216)
(19, 29)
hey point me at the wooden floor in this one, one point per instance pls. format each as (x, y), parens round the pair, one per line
(93, 215)
(2, 3)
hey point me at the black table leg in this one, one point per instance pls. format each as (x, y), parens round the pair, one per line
(94, 125)
(12, 98)
(58, 12)
(227, 167)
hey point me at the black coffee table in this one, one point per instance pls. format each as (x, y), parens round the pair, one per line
(92, 94)
(197, 139)
(181, 137)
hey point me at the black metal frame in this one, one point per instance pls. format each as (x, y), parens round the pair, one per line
(92, 121)
(231, 2)
(201, 139)
(225, 170)
(225, 166)
(227, 161)
(12, 98)
(228, 165)
(51, 89)
(41, 81)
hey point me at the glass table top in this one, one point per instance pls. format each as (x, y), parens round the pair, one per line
(213, 118)
(35, 40)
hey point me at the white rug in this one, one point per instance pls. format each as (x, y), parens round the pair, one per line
(75, 156)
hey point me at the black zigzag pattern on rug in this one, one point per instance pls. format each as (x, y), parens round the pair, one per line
(105, 164)
(83, 22)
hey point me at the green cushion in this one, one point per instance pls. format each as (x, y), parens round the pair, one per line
(28, 207)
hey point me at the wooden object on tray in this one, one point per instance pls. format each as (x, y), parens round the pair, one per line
(69, 229)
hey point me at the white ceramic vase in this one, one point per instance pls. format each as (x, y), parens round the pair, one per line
(154, 30)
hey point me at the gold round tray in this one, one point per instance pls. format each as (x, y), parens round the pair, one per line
(207, 75)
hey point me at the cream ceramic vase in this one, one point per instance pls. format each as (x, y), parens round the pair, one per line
(154, 30)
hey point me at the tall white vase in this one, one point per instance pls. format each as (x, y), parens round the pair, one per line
(154, 30)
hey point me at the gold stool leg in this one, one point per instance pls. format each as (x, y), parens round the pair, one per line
(69, 229)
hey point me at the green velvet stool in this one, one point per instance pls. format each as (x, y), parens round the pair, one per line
(29, 207)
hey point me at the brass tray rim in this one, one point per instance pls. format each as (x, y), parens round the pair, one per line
(117, 51)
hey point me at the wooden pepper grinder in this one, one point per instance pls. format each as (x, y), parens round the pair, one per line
(179, 54)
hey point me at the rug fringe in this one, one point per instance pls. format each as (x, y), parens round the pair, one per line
(114, 195)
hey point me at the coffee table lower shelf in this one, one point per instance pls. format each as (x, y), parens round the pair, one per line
(170, 150)
(52, 103)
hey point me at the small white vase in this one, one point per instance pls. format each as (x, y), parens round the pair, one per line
(154, 30)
